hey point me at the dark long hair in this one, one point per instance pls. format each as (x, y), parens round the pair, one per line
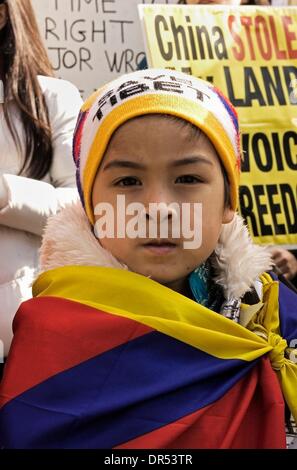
(24, 57)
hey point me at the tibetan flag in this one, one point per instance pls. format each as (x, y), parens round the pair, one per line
(105, 358)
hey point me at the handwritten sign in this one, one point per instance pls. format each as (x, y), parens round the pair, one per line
(90, 42)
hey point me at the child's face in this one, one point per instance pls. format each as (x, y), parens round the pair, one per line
(152, 160)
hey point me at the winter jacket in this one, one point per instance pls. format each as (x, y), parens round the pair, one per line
(26, 203)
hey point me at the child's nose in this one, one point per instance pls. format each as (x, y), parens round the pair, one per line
(166, 213)
(160, 201)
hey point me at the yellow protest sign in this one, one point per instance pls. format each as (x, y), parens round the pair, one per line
(250, 53)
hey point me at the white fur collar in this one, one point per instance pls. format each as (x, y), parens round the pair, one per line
(68, 240)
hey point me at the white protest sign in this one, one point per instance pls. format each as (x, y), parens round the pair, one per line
(90, 42)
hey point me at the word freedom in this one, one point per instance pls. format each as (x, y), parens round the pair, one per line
(157, 221)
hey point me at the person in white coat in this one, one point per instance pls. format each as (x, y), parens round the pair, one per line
(37, 175)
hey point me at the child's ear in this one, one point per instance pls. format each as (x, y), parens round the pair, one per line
(3, 15)
(228, 215)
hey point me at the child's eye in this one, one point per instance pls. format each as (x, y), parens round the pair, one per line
(128, 181)
(188, 179)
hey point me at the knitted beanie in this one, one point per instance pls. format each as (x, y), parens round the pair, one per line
(153, 91)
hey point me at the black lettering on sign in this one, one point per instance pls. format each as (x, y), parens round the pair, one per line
(124, 61)
(247, 208)
(275, 209)
(152, 2)
(290, 206)
(180, 40)
(84, 58)
(273, 86)
(81, 4)
(262, 209)
(239, 102)
(50, 27)
(95, 31)
(262, 206)
(166, 53)
(261, 142)
(269, 151)
(245, 161)
(192, 42)
(272, 83)
(192, 39)
(76, 33)
(219, 44)
(69, 59)
(277, 151)
(290, 138)
(252, 88)
(290, 74)
(96, 6)
(204, 42)
(122, 24)
(104, 7)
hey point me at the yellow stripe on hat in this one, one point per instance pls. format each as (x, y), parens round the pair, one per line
(160, 104)
(92, 98)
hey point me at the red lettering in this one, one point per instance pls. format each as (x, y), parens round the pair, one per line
(279, 54)
(246, 22)
(238, 53)
(266, 37)
(290, 36)
(261, 26)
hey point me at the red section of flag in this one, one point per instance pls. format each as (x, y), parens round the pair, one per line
(63, 334)
(250, 415)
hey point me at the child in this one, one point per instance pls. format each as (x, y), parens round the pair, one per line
(152, 341)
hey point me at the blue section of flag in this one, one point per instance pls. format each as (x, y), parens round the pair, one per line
(288, 314)
(119, 395)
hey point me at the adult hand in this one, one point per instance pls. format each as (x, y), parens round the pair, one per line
(285, 262)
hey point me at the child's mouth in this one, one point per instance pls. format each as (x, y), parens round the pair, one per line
(160, 247)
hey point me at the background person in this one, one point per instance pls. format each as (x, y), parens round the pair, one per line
(37, 175)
